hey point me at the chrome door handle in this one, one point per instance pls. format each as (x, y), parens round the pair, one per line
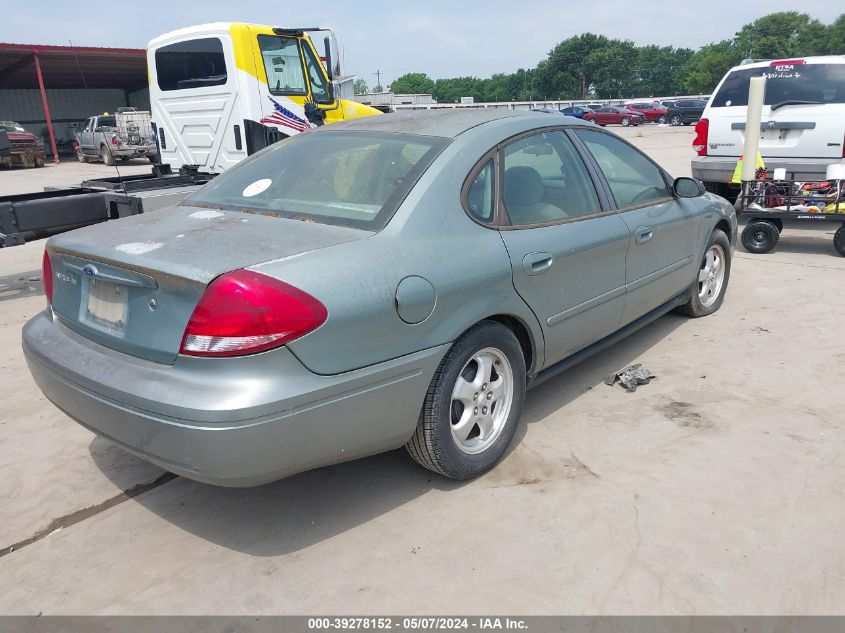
(644, 234)
(536, 263)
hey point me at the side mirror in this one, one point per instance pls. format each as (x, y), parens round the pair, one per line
(688, 187)
(332, 57)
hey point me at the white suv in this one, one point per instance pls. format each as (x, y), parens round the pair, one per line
(803, 123)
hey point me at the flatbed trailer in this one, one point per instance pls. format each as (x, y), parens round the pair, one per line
(35, 215)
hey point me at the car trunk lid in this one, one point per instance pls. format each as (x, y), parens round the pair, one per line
(132, 284)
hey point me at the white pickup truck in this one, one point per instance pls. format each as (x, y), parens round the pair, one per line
(123, 135)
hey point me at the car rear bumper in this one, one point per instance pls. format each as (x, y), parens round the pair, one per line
(131, 151)
(232, 422)
(721, 168)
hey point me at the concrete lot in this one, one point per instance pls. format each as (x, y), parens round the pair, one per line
(69, 172)
(717, 488)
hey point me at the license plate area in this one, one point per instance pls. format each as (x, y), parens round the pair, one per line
(106, 306)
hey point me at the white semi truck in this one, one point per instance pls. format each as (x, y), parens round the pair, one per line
(218, 93)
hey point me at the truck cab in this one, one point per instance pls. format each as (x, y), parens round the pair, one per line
(220, 92)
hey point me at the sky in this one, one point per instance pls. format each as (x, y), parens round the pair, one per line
(438, 37)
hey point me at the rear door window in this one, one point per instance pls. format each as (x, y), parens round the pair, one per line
(193, 64)
(822, 83)
(545, 180)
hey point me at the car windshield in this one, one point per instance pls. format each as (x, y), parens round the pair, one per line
(355, 179)
(818, 83)
(9, 126)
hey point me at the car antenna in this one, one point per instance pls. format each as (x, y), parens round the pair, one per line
(108, 145)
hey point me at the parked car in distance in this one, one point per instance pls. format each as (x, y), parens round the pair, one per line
(665, 103)
(803, 120)
(24, 149)
(546, 110)
(124, 135)
(386, 282)
(614, 114)
(685, 111)
(650, 111)
(576, 111)
(593, 106)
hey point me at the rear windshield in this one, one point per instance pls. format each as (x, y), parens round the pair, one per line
(107, 121)
(822, 83)
(353, 179)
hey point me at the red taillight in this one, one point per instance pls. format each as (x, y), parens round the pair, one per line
(699, 143)
(114, 140)
(244, 312)
(47, 276)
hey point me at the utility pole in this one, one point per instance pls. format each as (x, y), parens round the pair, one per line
(378, 79)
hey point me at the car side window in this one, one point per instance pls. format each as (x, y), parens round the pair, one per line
(632, 177)
(481, 194)
(545, 180)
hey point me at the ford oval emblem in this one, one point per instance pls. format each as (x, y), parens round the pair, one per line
(89, 270)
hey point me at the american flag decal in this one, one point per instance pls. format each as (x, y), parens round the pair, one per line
(284, 117)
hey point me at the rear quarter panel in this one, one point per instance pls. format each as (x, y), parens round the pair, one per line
(429, 236)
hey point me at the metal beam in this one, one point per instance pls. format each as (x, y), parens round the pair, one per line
(46, 108)
(14, 67)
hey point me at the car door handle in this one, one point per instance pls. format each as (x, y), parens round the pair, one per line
(536, 263)
(643, 234)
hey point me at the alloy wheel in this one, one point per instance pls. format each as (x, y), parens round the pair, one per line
(481, 400)
(711, 277)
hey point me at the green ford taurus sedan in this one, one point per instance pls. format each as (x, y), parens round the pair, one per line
(385, 282)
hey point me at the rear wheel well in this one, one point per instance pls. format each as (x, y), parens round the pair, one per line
(522, 335)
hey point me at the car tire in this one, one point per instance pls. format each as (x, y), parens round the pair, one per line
(760, 236)
(625, 121)
(839, 240)
(39, 162)
(155, 159)
(675, 119)
(81, 156)
(106, 155)
(661, 119)
(707, 290)
(458, 442)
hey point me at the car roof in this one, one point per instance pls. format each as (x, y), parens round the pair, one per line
(444, 122)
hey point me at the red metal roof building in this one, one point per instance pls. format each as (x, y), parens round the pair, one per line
(45, 67)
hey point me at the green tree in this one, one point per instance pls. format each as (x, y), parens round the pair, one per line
(359, 87)
(413, 83)
(571, 67)
(660, 70)
(706, 67)
(784, 34)
(832, 42)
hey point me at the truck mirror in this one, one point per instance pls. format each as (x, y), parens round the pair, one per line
(332, 57)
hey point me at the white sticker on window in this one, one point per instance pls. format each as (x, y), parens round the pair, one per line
(256, 187)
